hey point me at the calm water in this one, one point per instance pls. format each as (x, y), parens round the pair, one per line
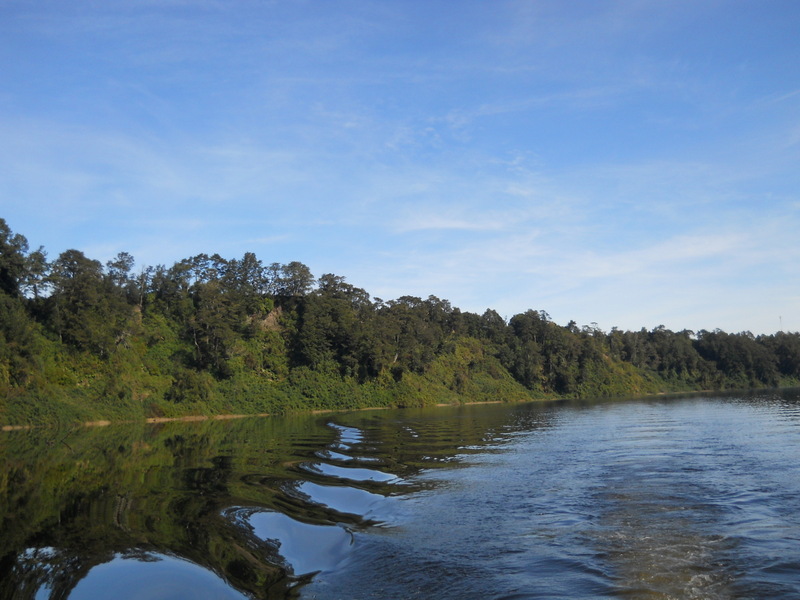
(695, 497)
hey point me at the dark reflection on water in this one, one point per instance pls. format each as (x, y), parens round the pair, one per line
(251, 507)
(669, 498)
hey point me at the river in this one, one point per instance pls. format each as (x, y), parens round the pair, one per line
(681, 497)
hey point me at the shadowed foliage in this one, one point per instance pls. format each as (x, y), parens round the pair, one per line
(211, 335)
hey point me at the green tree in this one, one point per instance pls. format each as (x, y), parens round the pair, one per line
(18, 351)
(13, 251)
(37, 270)
(334, 323)
(119, 269)
(785, 347)
(212, 326)
(294, 279)
(740, 358)
(85, 310)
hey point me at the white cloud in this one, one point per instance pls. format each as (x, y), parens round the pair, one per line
(584, 160)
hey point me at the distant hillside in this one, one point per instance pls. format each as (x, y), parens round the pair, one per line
(82, 341)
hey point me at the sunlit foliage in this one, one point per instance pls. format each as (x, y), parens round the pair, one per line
(209, 335)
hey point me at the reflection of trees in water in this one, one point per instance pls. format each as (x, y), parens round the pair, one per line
(67, 508)
(37, 567)
(131, 491)
(93, 529)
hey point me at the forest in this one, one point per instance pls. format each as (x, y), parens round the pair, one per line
(83, 341)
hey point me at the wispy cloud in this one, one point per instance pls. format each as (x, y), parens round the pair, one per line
(624, 163)
(776, 99)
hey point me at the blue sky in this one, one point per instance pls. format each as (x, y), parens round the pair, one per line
(625, 163)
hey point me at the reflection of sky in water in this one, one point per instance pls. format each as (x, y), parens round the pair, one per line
(307, 548)
(348, 500)
(149, 577)
(353, 474)
(347, 435)
(331, 455)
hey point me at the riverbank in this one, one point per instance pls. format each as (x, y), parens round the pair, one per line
(234, 416)
(229, 417)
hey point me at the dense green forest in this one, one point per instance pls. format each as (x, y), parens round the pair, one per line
(80, 340)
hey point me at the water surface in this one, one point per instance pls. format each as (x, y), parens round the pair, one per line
(694, 497)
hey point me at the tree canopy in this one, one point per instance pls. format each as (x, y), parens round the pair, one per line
(209, 334)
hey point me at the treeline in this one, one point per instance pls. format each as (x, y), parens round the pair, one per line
(83, 340)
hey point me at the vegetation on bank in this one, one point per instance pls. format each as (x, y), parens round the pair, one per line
(83, 341)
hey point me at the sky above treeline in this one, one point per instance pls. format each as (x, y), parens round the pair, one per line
(625, 163)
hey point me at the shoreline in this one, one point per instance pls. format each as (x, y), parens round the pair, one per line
(322, 411)
(229, 416)
(148, 420)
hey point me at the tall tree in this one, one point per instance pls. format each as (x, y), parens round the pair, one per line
(295, 280)
(35, 277)
(85, 310)
(13, 251)
(119, 269)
